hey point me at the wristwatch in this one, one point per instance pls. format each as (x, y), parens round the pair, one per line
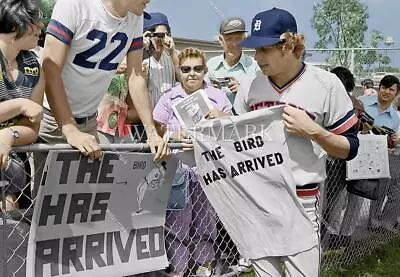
(14, 133)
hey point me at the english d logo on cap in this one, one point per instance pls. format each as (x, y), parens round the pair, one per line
(268, 26)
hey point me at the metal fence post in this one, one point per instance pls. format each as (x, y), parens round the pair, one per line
(352, 60)
(3, 245)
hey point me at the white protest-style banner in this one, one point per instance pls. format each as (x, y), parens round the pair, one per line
(100, 218)
(244, 168)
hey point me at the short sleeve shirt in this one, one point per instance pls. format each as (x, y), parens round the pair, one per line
(98, 42)
(22, 87)
(388, 117)
(246, 68)
(321, 94)
(164, 113)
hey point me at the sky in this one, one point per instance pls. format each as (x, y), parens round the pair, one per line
(197, 19)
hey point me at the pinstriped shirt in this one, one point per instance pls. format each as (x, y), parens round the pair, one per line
(22, 87)
(161, 76)
(28, 77)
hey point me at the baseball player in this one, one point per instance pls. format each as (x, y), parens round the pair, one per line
(85, 42)
(318, 118)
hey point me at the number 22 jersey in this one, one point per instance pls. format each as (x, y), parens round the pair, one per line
(98, 42)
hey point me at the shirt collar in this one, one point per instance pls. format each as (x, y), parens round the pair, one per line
(392, 111)
(178, 92)
(374, 101)
(222, 63)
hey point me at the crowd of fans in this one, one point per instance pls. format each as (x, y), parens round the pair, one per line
(138, 100)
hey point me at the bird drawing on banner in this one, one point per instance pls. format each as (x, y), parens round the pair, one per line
(152, 181)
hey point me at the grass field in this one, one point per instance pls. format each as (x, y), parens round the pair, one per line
(383, 262)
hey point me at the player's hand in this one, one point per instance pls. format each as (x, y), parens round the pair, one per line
(214, 113)
(84, 142)
(31, 110)
(298, 122)
(233, 85)
(158, 147)
(146, 40)
(6, 142)
(182, 136)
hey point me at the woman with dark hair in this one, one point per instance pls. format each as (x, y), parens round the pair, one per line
(21, 87)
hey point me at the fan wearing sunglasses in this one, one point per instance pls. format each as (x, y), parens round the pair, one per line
(160, 55)
(196, 214)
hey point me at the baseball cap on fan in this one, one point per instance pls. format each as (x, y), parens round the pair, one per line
(232, 25)
(146, 15)
(268, 26)
(154, 19)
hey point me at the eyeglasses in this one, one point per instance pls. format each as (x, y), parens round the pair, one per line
(158, 35)
(196, 68)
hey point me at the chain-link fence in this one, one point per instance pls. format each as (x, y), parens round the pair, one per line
(353, 226)
(364, 63)
(371, 63)
(196, 242)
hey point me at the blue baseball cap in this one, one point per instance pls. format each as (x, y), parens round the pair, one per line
(155, 20)
(146, 15)
(268, 26)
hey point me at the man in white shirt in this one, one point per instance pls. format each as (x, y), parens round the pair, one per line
(318, 118)
(85, 42)
(228, 70)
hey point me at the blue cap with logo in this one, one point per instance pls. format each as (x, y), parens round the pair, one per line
(155, 20)
(268, 26)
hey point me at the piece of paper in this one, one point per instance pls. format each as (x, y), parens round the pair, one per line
(192, 109)
(372, 160)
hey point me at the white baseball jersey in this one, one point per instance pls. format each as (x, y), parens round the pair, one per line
(321, 95)
(247, 179)
(98, 42)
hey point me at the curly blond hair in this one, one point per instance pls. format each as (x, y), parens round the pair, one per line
(191, 52)
(294, 42)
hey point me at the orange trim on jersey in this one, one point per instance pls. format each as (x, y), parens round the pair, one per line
(282, 89)
(137, 43)
(60, 31)
(345, 125)
(307, 192)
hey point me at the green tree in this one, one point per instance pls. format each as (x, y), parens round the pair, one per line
(385, 60)
(46, 6)
(370, 57)
(340, 24)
